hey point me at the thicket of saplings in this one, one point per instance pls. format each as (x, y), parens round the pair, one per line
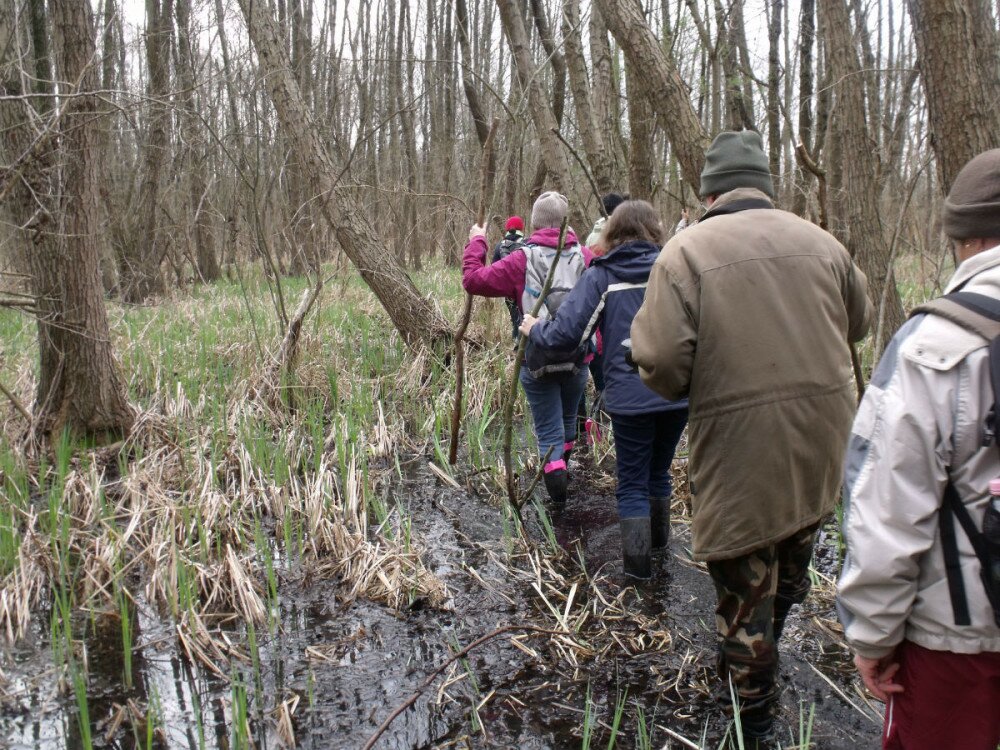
(195, 515)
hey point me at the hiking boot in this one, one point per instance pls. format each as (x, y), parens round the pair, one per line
(556, 480)
(659, 523)
(635, 548)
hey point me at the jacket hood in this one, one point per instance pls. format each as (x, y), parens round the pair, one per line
(549, 237)
(630, 261)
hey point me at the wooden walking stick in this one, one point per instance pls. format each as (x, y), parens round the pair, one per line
(486, 172)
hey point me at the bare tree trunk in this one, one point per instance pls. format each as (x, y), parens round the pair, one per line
(862, 231)
(198, 194)
(807, 35)
(603, 94)
(962, 93)
(141, 273)
(738, 116)
(80, 387)
(28, 207)
(552, 153)
(640, 152)
(661, 83)
(593, 141)
(773, 90)
(471, 92)
(411, 313)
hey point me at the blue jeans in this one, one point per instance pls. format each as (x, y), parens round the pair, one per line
(644, 449)
(553, 409)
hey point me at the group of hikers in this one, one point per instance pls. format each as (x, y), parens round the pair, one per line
(739, 327)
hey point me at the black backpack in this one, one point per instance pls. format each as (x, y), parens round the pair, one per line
(979, 314)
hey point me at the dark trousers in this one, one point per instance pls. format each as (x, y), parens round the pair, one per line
(644, 449)
(950, 701)
(755, 592)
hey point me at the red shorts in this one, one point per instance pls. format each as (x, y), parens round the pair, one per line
(950, 701)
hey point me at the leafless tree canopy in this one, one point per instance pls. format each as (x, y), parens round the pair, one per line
(176, 142)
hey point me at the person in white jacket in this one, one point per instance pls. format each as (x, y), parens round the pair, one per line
(921, 425)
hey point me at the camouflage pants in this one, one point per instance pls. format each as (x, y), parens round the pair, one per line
(755, 592)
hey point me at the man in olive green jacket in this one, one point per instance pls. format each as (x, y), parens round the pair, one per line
(748, 314)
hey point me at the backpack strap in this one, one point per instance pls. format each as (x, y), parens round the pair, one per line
(949, 546)
(973, 312)
(980, 314)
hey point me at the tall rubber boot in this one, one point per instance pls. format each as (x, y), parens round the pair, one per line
(659, 523)
(636, 548)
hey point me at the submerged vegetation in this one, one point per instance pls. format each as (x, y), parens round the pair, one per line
(197, 535)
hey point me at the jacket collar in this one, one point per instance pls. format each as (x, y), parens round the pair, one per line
(974, 266)
(740, 199)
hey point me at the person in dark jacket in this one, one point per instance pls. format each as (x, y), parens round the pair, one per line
(513, 238)
(646, 426)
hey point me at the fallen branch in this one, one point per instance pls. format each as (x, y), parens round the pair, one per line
(437, 673)
(16, 403)
(485, 180)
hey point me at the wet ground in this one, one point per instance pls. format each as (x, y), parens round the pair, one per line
(334, 670)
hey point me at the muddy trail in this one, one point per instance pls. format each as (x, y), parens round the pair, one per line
(332, 670)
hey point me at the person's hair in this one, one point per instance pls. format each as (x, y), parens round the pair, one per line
(611, 201)
(631, 221)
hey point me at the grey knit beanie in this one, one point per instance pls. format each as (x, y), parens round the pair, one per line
(549, 210)
(972, 208)
(736, 159)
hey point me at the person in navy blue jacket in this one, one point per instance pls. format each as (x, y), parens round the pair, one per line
(646, 427)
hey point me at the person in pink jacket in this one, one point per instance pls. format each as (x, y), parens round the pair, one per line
(553, 399)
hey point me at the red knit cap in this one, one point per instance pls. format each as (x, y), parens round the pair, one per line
(514, 222)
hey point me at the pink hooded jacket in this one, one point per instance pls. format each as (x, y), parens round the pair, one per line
(505, 278)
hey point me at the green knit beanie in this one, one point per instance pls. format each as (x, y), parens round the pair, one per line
(736, 159)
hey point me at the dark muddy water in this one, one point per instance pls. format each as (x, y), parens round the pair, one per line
(344, 666)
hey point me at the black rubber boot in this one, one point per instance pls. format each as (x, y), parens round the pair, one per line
(659, 523)
(556, 482)
(758, 733)
(757, 725)
(636, 548)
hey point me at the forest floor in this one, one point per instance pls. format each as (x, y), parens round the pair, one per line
(237, 575)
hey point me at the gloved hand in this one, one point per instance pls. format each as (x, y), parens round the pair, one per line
(477, 231)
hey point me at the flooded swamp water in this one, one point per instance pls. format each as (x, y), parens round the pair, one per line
(331, 670)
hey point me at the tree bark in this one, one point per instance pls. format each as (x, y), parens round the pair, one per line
(593, 141)
(411, 313)
(471, 92)
(198, 199)
(640, 152)
(807, 35)
(773, 90)
(958, 63)
(661, 84)
(80, 387)
(861, 232)
(552, 153)
(141, 272)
